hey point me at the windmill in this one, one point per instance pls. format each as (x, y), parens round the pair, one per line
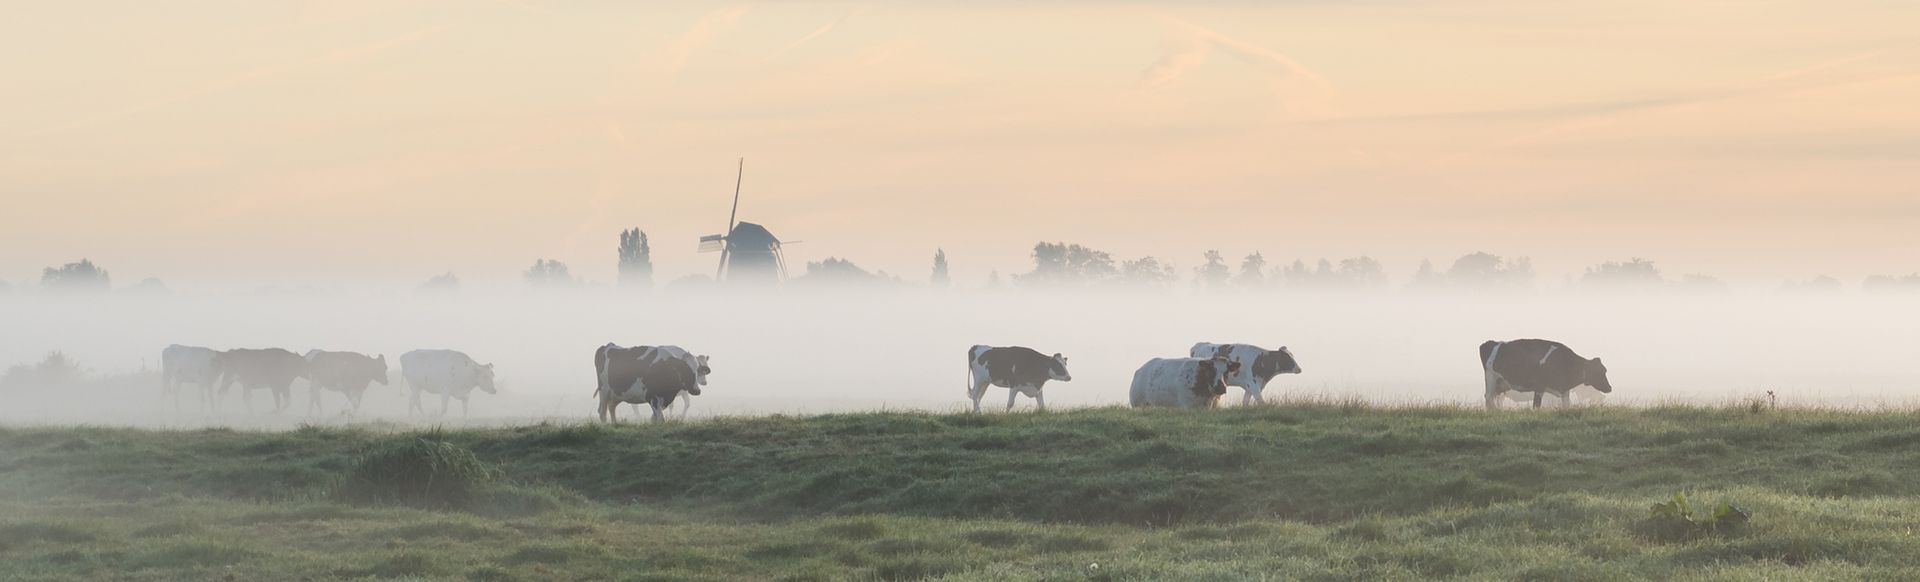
(749, 253)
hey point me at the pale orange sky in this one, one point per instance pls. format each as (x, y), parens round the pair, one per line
(227, 141)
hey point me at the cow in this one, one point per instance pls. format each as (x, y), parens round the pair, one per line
(187, 365)
(1257, 366)
(272, 368)
(1182, 382)
(1020, 370)
(641, 374)
(1538, 366)
(348, 373)
(448, 373)
(697, 363)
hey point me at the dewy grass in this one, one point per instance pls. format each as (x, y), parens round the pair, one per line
(1324, 491)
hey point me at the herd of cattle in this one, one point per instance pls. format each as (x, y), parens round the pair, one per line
(657, 375)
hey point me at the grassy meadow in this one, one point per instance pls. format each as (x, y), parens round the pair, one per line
(1317, 491)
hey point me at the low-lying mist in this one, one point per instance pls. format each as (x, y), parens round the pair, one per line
(823, 350)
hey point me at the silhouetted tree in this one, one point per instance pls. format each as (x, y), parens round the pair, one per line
(1214, 274)
(1425, 277)
(1884, 283)
(55, 370)
(1062, 264)
(1635, 272)
(150, 286)
(1485, 270)
(993, 279)
(442, 283)
(835, 270)
(548, 273)
(636, 260)
(1147, 272)
(940, 278)
(1821, 283)
(1352, 273)
(1253, 271)
(76, 277)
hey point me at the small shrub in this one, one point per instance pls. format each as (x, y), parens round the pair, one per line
(1681, 518)
(416, 471)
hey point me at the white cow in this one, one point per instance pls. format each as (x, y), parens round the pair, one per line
(1257, 366)
(183, 365)
(1181, 382)
(448, 373)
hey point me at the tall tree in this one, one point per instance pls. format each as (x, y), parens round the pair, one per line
(1635, 272)
(1147, 272)
(636, 260)
(1214, 274)
(1062, 264)
(82, 276)
(1253, 271)
(940, 278)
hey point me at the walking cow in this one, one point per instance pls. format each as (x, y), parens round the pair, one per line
(641, 374)
(1538, 366)
(1020, 370)
(697, 363)
(348, 373)
(1256, 366)
(273, 368)
(1182, 382)
(187, 365)
(448, 373)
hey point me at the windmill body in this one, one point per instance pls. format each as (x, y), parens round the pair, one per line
(749, 253)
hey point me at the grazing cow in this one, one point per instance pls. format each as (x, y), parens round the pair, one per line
(641, 374)
(1020, 370)
(448, 373)
(187, 365)
(344, 372)
(1538, 366)
(1257, 366)
(272, 368)
(697, 363)
(1182, 382)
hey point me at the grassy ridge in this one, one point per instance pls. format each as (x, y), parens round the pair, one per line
(1307, 492)
(1310, 463)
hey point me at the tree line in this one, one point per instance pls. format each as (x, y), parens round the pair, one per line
(1063, 265)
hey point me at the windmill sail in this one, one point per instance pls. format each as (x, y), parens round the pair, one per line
(713, 243)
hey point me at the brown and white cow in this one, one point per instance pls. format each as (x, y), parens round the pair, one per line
(1182, 382)
(1257, 365)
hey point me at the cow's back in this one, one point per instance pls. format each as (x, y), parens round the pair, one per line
(180, 362)
(1016, 365)
(437, 369)
(1531, 364)
(263, 366)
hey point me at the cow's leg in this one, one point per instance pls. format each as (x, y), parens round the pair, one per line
(1012, 395)
(1566, 399)
(463, 408)
(978, 392)
(313, 400)
(657, 417)
(1537, 395)
(1040, 400)
(413, 404)
(444, 396)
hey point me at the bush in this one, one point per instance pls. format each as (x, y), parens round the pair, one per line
(419, 471)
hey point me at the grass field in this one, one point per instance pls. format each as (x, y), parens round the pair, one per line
(1315, 491)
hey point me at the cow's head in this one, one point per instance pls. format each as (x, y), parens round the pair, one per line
(484, 378)
(1595, 375)
(1221, 369)
(378, 370)
(1058, 369)
(700, 370)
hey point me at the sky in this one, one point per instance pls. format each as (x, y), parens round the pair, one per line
(233, 143)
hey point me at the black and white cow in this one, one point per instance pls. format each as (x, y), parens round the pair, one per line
(641, 374)
(1020, 370)
(273, 369)
(697, 362)
(1257, 365)
(1182, 382)
(1538, 366)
